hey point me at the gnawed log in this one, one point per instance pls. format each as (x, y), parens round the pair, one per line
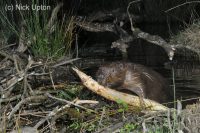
(114, 95)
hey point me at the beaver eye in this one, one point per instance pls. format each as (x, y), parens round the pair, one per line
(100, 76)
(113, 70)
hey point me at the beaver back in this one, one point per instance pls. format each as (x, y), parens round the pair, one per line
(131, 76)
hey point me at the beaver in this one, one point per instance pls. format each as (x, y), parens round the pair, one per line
(142, 81)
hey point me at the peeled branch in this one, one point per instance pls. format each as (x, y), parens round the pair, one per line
(114, 95)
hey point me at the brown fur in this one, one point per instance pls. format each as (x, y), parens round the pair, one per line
(139, 79)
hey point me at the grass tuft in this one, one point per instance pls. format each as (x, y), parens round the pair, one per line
(46, 35)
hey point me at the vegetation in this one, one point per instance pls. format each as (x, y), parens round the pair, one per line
(9, 26)
(45, 36)
(189, 36)
(70, 92)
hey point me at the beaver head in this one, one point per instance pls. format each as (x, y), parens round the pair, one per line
(111, 75)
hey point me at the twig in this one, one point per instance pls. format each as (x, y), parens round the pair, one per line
(65, 62)
(169, 121)
(52, 80)
(50, 86)
(24, 101)
(10, 99)
(76, 45)
(144, 129)
(7, 46)
(6, 54)
(25, 84)
(116, 126)
(10, 85)
(69, 103)
(101, 118)
(189, 2)
(16, 64)
(131, 21)
(86, 102)
(55, 111)
(21, 74)
(53, 17)
(96, 27)
(23, 42)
